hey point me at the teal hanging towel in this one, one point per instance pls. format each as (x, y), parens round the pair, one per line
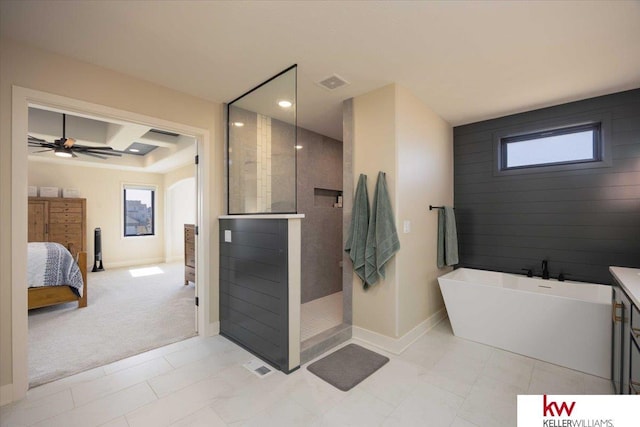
(357, 237)
(447, 238)
(382, 237)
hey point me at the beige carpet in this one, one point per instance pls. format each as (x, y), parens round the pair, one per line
(125, 316)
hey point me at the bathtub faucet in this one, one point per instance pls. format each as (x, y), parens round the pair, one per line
(545, 269)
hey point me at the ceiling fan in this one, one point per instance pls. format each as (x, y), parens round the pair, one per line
(67, 147)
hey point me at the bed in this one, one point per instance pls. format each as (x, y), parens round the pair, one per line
(56, 275)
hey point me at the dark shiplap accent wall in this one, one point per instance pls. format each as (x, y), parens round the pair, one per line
(583, 220)
(254, 287)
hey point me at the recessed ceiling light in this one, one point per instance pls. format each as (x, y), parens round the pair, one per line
(134, 150)
(284, 103)
(238, 124)
(298, 147)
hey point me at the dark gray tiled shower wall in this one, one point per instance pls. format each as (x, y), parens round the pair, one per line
(319, 164)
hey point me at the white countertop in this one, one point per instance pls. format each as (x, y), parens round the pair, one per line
(263, 216)
(629, 278)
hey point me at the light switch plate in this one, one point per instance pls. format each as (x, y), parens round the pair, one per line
(227, 236)
(406, 227)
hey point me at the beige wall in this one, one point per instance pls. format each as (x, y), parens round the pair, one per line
(425, 176)
(39, 70)
(180, 202)
(184, 172)
(396, 133)
(103, 190)
(374, 150)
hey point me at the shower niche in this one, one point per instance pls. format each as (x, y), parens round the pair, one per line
(325, 198)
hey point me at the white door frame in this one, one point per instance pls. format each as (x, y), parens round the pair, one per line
(22, 98)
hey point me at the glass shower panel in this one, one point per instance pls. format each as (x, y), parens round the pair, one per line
(262, 148)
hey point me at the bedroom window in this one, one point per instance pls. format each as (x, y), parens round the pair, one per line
(139, 213)
(563, 146)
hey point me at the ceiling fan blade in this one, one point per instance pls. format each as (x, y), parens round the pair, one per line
(33, 138)
(42, 151)
(102, 153)
(40, 144)
(88, 147)
(87, 153)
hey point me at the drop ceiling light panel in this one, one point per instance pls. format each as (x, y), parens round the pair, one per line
(143, 149)
(332, 82)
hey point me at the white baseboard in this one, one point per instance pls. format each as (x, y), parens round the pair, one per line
(6, 394)
(398, 345)
(132, 263)
(174, 259)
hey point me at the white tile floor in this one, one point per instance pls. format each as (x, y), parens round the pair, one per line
(440, 380)
(320, 315)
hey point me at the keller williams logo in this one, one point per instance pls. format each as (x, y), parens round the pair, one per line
(549, 408)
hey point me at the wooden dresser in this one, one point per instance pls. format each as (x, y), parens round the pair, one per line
(60, 220)
(189, 253)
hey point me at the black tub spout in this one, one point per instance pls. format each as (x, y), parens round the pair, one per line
(545, 269)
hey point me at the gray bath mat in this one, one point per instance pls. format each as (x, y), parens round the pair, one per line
(347, 367)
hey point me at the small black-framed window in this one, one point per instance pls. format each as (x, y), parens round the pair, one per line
(139, 210)
(562, 146)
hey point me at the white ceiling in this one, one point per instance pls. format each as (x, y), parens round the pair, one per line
(467, 60)
(170, 152)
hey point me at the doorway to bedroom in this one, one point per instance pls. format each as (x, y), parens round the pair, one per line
(137, 227)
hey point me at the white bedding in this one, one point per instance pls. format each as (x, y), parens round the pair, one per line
(51, 264)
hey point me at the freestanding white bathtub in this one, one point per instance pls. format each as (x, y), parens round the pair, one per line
(564, 323)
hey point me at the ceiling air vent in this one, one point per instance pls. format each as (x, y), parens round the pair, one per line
(332, 82)
(163, 132)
